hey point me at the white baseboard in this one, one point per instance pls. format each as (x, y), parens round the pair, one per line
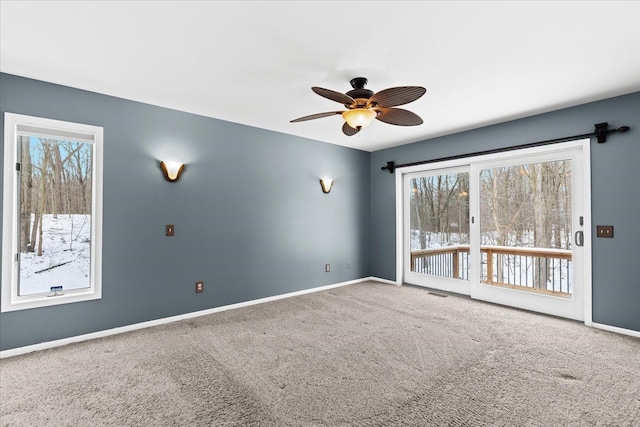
(388, 282)
(617, 330)
(100, 334)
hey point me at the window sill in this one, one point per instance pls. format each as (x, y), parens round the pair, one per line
(38, 301)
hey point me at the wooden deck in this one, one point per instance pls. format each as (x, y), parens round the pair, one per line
(538, 270)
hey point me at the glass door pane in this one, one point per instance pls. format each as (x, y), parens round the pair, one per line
(526, 227)
(439, 224)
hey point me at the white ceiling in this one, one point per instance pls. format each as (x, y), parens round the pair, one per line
(255, 62)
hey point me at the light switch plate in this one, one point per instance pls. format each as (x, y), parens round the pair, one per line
(170, 229)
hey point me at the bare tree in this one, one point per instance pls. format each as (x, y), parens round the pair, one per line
(26, 195)
(57, 168)
(417, 202)
(41, 195)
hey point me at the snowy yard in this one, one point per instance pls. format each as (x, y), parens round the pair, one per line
(65, 260)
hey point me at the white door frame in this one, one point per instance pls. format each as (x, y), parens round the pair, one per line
(583, 144)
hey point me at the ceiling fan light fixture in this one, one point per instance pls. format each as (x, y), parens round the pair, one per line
(359, 118)
(364, 105)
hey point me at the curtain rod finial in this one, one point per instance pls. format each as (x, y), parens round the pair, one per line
(602, 130)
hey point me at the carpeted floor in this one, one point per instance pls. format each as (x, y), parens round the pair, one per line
(368, 354)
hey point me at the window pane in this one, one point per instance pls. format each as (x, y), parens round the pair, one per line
(525, 227)
(439, 218)
(55, 214)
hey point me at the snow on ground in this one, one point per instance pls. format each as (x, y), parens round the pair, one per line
(66, 240)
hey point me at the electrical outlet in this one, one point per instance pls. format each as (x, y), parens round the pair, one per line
(604, 230)
(327, 268)
(348, 265)
(169, 230)
(199, 287)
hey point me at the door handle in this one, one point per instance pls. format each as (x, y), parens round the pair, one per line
(579, 238)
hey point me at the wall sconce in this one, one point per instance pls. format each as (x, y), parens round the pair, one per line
(326, 185)
(172, 170)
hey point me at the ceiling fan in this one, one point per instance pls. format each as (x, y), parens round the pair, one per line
(363, 105)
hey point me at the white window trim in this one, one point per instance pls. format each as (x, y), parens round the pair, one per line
(11, 301)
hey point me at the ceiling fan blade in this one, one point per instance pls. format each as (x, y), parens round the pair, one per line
(348, 130)
(315, 116)
(398, 117)
(396, 96)
(334, 96)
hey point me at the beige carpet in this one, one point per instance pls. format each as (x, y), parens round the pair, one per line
(363, 355)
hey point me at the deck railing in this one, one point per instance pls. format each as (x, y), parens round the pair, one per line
(540, 270)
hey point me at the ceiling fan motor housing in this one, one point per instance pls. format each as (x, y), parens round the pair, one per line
(359, 92)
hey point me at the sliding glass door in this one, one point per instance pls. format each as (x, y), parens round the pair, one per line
(437, 211)
(531, 232)
(507, 228)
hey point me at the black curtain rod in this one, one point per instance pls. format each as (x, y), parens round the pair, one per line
(601, 132)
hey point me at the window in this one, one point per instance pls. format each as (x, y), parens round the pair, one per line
(52, 212)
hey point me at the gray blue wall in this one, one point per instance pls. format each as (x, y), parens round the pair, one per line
(252, 222)
(250, 217)
(615, 181)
